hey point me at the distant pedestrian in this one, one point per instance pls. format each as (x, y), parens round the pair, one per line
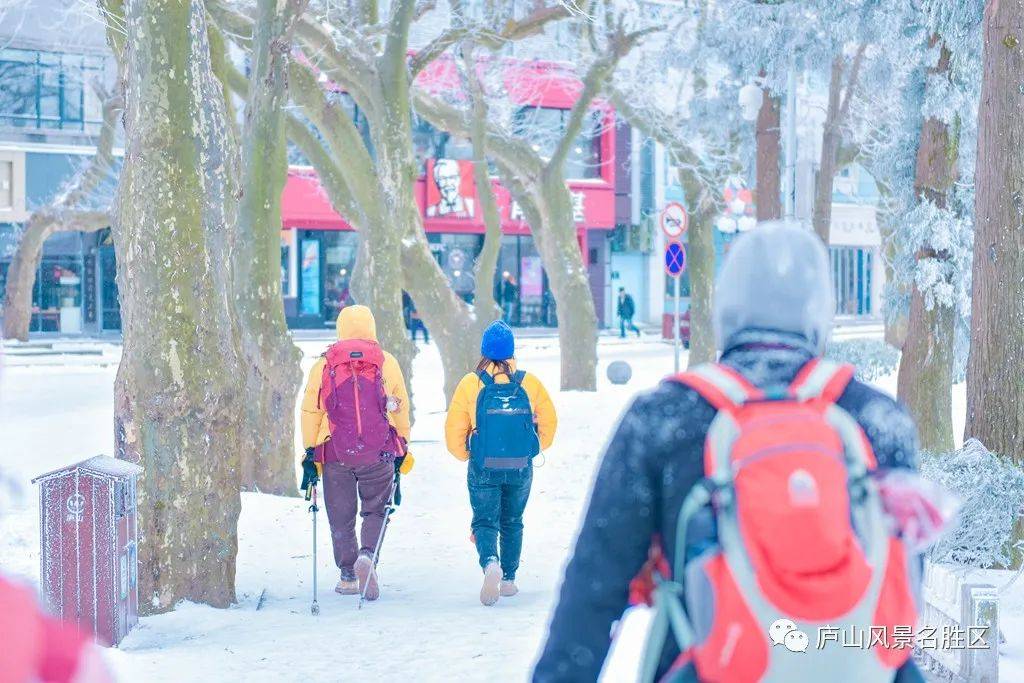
(499, 419)
(626, 310)
(413, 320)
(508, 294)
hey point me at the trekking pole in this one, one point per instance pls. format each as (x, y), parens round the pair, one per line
(380, 541)
(314, 609)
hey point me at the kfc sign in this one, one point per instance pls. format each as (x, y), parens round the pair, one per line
(451, 189)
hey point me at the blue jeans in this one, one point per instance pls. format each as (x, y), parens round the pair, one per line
(498, 498)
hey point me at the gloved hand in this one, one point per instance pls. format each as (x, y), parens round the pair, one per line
(310, 474)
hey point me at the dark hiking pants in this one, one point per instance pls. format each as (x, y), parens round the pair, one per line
(365, 489)
(498, 498)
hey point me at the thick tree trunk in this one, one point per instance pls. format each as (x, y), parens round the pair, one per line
(272, 373)
(769, 159)
(925, 379)
(926, 366)
(995, 390)
(178, 391)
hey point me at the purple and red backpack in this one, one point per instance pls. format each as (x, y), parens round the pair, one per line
(352, 394)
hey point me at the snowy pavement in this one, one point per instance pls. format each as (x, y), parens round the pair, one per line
(428, 624)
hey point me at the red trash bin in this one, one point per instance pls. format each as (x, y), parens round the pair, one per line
(88, 546)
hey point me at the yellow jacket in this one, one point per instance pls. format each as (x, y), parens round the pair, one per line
(354, 322)
(461, 418)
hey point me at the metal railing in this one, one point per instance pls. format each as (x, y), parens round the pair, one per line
(960, 620)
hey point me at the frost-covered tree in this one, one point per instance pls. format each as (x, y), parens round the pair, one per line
(531, 158)
(693, 113)
(271, 360)
(918, 146)
(178, 392)
(995, 388)
(353, 60)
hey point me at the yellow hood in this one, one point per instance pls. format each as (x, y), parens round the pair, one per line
(356, 322)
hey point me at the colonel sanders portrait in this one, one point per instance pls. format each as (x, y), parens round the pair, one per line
(448, 180)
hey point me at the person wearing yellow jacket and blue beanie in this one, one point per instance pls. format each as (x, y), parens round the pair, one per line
(362, 483)
(499, 418)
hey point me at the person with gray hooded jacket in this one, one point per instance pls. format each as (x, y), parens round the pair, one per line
(773, 308)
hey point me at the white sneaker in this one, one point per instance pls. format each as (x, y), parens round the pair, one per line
(492, 584)
(508, 588)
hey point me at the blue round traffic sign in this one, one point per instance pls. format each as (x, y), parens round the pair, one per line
(675, 259)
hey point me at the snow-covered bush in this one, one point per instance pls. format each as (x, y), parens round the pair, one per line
(873, 358)
(992, 493)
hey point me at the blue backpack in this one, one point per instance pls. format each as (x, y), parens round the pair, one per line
(505, 437)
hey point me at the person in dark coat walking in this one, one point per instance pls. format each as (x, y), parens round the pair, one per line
(626, 310)
(773, 315)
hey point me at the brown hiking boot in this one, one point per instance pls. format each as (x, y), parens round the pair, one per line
(347, 584)
(491, 589)
(368, 586)
(508, 588)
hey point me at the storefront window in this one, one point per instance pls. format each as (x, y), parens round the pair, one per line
(521, 285)
(457, 254)
(339, 259)
(544, 127)
(57, 300)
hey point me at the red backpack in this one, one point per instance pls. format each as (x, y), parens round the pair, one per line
(353, 395)
(801, 544)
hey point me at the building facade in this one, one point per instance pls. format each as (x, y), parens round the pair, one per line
(50, 117)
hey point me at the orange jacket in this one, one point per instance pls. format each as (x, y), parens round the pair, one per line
(354, 322)
(461, 418)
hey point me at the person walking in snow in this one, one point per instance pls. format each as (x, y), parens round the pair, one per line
(626, 309)
(355, 428)
(500, 418)
(796, 450)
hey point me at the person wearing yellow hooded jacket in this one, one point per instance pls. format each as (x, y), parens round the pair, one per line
(358, 468)
(521, 421)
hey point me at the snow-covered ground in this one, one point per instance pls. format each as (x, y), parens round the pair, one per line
(428, 624)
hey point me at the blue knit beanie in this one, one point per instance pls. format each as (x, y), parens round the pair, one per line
(498, 343)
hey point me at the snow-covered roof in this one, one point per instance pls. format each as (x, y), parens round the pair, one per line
(101, 465)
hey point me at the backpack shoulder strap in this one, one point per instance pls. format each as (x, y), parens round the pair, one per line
(518, 376)
(822, 379)
(485, 377)
(719, 385)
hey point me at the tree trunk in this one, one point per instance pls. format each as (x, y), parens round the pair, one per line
(272, 373)
(835, 117)
(559, 248)
(178, 388)
(21, 277)
(822, 218)
(925, 379)
(926, 366)
(769, 159)
(995, 391)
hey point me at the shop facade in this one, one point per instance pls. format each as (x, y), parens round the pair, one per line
(319, 247)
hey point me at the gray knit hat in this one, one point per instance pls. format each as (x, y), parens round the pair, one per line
(775, 277)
